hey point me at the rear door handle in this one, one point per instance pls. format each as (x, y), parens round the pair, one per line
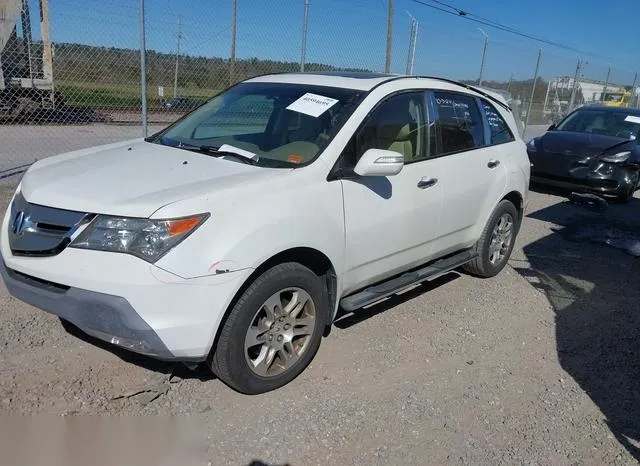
(493, 163)
(427, 182)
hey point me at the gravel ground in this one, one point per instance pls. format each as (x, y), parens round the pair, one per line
(537, 365)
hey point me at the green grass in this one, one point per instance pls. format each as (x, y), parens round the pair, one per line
(120, 95)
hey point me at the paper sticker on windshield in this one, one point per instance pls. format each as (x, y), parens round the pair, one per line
(633, 119)
(312, 104)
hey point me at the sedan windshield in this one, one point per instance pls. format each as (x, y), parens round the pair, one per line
(620, 124)
(274, 124)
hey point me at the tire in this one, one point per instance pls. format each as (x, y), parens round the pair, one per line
(244, 348)
(482, 265)
(627, 195)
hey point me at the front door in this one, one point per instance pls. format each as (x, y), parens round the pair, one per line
(391, 222)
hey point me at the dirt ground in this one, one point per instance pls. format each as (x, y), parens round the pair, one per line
(538, 365)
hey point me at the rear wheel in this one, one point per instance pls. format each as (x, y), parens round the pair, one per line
(273, 331)
(496, 242)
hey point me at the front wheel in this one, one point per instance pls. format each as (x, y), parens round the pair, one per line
(496, 242)
(627, 194)
(273, 331)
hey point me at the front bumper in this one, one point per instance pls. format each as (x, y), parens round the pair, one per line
(107, 317)
(123, 300)
(616, 182)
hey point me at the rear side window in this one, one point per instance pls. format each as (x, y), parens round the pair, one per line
(500, 132)
(458, 123)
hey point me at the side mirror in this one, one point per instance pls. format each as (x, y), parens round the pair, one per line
(379, 162)
(552, 127)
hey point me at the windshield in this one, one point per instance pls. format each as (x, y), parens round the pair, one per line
(284, 125)
(618, 124)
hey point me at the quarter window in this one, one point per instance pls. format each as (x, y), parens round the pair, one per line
(500, 132)
(459, 122)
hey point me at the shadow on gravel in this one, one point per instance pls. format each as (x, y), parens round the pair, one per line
(163, 367)
(346, 319)
(591, 277)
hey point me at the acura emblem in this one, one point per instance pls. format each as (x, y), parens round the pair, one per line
(20, 223)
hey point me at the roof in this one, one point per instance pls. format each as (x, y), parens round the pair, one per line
(366, 81)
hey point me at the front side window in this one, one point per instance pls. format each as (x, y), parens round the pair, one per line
(399, 124)
(284, 125)
(458, 122)
(500, 132)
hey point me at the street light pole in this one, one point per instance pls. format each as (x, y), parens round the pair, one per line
(484, 54)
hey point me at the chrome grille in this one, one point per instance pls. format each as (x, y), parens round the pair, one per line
(36, 230)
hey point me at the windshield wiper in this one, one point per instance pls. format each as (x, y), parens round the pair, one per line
(216, 152)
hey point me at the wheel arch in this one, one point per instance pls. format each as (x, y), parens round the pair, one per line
(516, 199)
(312, 258)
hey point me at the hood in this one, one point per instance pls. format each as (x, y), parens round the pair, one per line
(133, 179)
(578, 144)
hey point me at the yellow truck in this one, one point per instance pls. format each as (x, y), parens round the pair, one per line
(617, 99)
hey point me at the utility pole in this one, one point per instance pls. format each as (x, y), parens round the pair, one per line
(413, 34)
(634, 91)
(143, 71)
(305, 22)
(533, 91)
(606, 84)
(387, 65)
(484, 54)
(175, 76)
(574, 88)
(232, 63)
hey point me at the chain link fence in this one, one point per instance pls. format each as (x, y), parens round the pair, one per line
(71, 68)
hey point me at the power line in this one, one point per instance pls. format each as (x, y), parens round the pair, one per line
(452, 10)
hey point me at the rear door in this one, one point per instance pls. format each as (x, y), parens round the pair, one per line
(473, 165)
(391, 222)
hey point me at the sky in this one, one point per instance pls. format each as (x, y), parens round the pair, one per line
(352, 33)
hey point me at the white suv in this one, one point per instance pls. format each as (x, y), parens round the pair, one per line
(234, 235)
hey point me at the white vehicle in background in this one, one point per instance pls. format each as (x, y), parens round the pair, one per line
(234, 235)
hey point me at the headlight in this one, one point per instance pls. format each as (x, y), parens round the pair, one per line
(144, 238)
(617, 158)
(531, 145)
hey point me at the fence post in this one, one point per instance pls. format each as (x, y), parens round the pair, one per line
(574, 87)
(143, 71)
(533, 90)
(175, 74)
(305, 22)
(387, 65)
(606, 85)
(232, 63)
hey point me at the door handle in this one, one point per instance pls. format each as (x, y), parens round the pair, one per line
(427, 182)
(493, 163)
